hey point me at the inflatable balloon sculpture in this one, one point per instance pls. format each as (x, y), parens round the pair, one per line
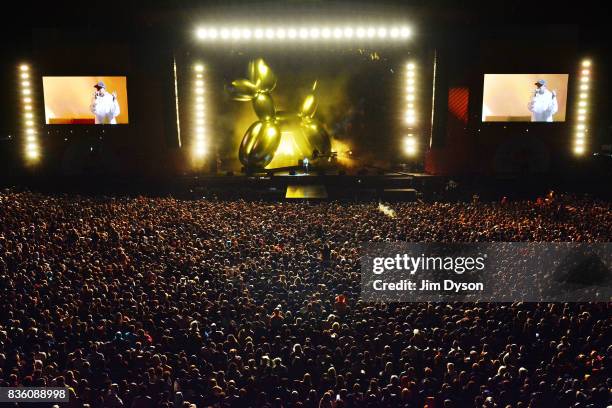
(262, 138)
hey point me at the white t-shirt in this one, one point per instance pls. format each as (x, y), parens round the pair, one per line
(106, 109)
(543, 105)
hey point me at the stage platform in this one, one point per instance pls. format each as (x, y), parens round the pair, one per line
(380, 185)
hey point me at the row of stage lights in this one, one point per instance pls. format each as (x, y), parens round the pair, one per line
(199, 111)
(582, 108)
(31, 147)
(410, 141)
(304, 33)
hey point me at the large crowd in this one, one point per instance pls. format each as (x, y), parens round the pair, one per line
(159, 302)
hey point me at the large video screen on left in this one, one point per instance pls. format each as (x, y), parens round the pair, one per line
(85, 100)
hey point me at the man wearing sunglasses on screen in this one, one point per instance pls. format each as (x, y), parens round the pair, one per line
(543, 104)
(104, 105)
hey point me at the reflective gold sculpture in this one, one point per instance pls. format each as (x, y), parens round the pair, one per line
(262, 138)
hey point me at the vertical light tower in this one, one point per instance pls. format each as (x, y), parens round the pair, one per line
(31, 148)
(410, 140)
(582, 110)
(199, 147)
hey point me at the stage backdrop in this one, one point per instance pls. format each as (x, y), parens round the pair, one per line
(360, 96)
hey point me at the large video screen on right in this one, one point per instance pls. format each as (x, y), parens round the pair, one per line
(524, 97)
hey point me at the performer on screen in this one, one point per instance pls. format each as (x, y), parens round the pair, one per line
(543, 104)
(104, 105)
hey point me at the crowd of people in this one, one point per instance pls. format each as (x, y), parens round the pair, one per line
(159, 302)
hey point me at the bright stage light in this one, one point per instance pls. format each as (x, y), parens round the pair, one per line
(396, 33)
(30, 145)
(410, 118)
(405, 32)
(581, 129)
(199, 129)
(410, 145)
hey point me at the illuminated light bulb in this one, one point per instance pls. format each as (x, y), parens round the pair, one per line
(405, 32)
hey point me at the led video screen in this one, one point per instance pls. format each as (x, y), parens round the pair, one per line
(524, 97)
(85, 100)
(343, 106)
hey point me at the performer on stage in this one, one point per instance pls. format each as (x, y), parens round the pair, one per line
(104, 105)
(543, 104)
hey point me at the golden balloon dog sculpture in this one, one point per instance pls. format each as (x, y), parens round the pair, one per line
(262, 138)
